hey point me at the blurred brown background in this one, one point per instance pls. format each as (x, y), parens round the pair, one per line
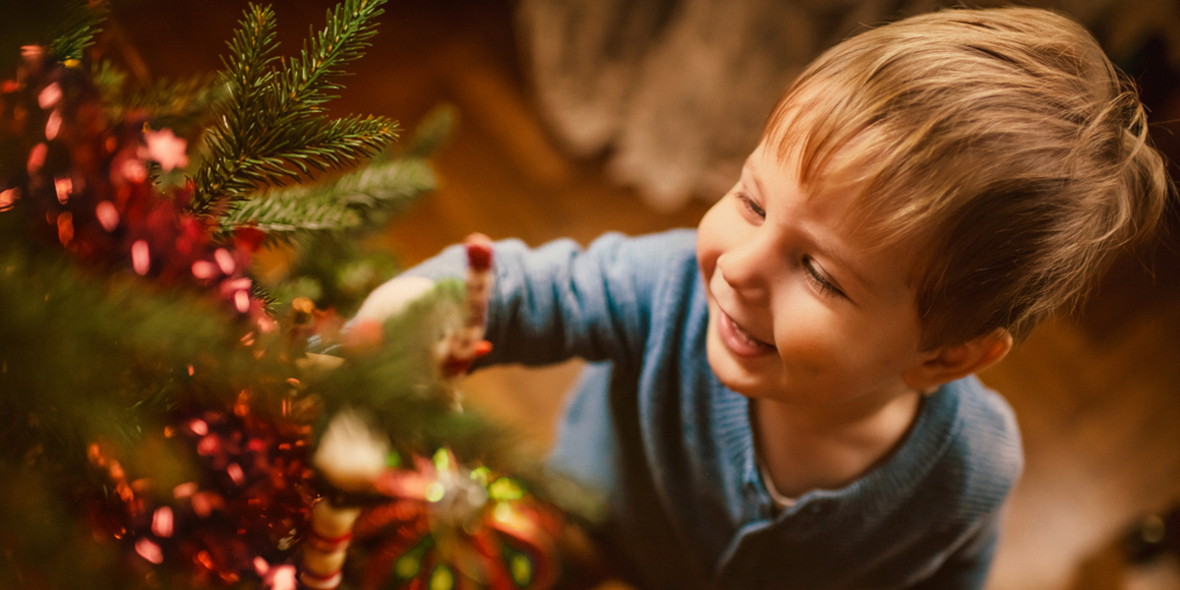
(1097, 395)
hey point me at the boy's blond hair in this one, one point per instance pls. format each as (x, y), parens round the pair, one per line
(1002, 145)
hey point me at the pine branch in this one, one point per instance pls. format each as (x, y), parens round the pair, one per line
(183, 99)
(362, 197)
(272, 129)
(320, 145)
(84, 360)
(79, 29)
(247, 73)
(180, 103)
(349, 27)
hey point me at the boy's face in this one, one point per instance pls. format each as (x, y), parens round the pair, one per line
(799, 310)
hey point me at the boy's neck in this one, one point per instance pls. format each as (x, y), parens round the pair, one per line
(804, 450)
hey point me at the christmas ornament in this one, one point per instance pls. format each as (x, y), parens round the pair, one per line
(440, 525)
(350, 456)
(449, 527)
(245, 509)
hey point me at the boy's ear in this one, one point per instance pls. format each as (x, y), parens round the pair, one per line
(955, 361)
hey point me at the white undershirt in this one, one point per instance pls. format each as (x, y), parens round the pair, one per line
(779, 499)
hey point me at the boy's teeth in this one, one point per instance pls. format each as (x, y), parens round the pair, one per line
(746, 336)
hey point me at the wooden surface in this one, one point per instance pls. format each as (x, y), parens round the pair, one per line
(1096, 396)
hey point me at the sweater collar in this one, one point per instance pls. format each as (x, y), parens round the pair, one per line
(880, 488)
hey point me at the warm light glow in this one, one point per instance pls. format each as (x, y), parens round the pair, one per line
(95, 454)
(283, 577)
(107, 215)
(204, 503)
(140, 257)
(133, 170)
(65, 228)
(52, 125)
(49, 97)
(225, 261)
(198, 426)
(184, 490)
(64, 187)
(242, 301)
(209, 445)
(165, 148)
(203, 269)
(37, 157)
(149, 551)
(8, 199)
(235, 473)
(162, 522)
(242, 404)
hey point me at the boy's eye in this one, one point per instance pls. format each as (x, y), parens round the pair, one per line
(817, 278)
(750, 205)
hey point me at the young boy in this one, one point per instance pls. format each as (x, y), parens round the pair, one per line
(787, 396)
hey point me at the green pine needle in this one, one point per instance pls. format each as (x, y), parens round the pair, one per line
(272, 129)
(180, 104)
(83, 360)
(79, 29)
(349, 27)
(362, 197)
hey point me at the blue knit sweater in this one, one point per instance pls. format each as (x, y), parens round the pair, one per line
(673, 451)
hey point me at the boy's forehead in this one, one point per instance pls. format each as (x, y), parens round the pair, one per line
(840, 181)
(830, 160)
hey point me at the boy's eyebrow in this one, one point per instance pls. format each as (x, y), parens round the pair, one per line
(838, 251)
(842, 262)
(748, 172)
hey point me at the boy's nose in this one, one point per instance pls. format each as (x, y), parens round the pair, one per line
(744, 267)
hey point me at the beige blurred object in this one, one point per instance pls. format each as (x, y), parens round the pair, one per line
(676, 92)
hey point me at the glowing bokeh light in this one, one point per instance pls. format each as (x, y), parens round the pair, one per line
(235, 473)
(8, 199)
(149, 551)
(52, 125)
(107, 215)
(141, 257)
(162, 522)
(64, 187)
(50, 96)
(225, 261)
(203, 269)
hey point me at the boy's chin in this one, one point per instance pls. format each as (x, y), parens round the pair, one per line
(733, 374)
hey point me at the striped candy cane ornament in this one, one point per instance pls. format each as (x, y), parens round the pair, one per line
(350, 456)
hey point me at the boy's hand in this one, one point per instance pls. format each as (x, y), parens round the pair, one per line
(390, 299)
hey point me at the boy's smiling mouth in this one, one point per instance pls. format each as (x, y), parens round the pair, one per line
(737, 339)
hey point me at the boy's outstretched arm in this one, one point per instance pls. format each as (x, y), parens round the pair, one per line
(553, 302)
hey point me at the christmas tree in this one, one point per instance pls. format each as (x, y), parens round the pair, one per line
(171, 420)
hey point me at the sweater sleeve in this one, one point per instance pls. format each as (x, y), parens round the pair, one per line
(560, 301)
